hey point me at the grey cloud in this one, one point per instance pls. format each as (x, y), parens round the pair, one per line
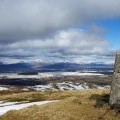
(44, 28)
(63, 43)
(34, 19)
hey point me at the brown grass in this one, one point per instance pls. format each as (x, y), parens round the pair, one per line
(38, 96)
(72, 106)
(47, 95)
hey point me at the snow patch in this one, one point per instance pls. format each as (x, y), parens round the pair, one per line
(69, 86)
(53, 74)
(66, 86)
(41, 87)
(5, 107)
(3, 89)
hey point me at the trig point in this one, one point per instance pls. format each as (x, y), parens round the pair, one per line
(115, 89)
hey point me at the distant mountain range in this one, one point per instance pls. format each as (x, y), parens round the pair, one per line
(44, 67)
(17, 67)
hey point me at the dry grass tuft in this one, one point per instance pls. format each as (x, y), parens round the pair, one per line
(75, 106)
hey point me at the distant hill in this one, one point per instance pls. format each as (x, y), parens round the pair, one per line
(77, 67)
(17, 67)
(43, 67)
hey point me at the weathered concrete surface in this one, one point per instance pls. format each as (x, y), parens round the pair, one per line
(115, 88)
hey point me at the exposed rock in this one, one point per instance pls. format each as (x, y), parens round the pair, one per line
(115, 89)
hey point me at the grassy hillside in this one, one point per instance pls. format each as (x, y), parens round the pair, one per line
(73, 105)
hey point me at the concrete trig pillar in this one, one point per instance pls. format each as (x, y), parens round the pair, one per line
(115, 88)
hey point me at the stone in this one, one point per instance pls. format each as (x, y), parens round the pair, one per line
(115, 88)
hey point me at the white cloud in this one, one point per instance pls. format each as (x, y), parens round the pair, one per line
(46, 27)
(70, 41)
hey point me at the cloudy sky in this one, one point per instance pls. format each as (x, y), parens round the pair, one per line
(59, 30)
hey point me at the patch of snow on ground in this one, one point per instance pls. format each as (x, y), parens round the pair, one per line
(13, 106)
(41, 87)
(25, 89)
(80, 74)
(53, 74)
(2, 104)
(66, 86)
(103, 87)
(69, 86)
(3, 88)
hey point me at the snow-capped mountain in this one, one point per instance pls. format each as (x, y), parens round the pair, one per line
(52, 67)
